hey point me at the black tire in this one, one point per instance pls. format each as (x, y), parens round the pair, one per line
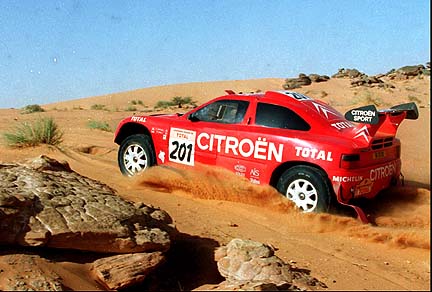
(136, 154)
(307, 187)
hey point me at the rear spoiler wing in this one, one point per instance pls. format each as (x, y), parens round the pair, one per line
(370, 115)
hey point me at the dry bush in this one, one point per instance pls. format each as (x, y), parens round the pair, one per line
(41, 131)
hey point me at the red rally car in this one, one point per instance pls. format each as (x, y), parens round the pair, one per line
(303, 147)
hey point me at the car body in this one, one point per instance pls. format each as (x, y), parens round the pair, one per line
(301, 146)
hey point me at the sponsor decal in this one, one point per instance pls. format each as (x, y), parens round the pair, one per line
(313, 153)
(240, 170)
(347, 178)
(161, 156)
(139, 119)
(258, 149)
(364, 187)
(296, 95)
(254, 172)
(362, 132)
(181, 146)
(342, 125)
(383, 171)
(324, 110)
(366, 114)
(254, 176)
(254, 181)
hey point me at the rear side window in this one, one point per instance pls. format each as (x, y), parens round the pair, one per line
(274, 116)
(223, 111)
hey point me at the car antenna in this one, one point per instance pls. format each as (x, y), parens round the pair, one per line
(229, 91)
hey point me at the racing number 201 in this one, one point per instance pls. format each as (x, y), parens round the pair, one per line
(181, 151)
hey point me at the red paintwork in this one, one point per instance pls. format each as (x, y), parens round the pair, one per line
(330, 137)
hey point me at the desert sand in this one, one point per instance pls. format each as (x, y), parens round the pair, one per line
(211, 206)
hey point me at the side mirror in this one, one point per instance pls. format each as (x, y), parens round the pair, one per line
(193, 118)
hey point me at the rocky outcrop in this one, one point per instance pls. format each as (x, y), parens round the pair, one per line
(44, 203)
(302, 80)
(361, 79)
(407, 72)
(370, 81)
(250, 265)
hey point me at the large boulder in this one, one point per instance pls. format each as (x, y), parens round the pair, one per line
(251, 265)
(45, 203)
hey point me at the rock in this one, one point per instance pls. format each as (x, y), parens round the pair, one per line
(302, 80)
(250, 265)
(348, 73)
(45, 203)
(122, 271)
(291, 83)
(407, 72)
(245, 260)
(370, 81)
(318, 78)
(410, 71)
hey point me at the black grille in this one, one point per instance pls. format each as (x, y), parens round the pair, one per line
(382, 143)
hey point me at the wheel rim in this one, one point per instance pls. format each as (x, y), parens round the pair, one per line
(135, 159)
(303, 194)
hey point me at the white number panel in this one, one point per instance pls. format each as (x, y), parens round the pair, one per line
(182, 146)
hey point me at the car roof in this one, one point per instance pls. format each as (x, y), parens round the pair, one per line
(316, 112)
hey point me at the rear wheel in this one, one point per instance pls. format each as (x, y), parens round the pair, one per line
(136, 154)
(307, 187)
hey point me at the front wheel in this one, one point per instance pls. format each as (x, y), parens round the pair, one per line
(307, 187)
(136, 154)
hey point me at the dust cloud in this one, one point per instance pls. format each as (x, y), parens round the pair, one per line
(208, 183)
(400, 216)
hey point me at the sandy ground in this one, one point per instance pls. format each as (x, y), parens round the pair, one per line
(212, 206)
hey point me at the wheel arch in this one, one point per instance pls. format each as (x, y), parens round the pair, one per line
(131, 129)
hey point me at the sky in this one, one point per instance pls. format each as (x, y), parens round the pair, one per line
(53, 51)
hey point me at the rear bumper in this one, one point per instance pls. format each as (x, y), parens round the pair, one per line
(365, 182)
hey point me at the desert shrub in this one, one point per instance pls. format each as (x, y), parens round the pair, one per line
(178, 101)
(414, 98)
(131, 108)
(366, 97)
(41, 131)
(32, 108)
(163, 104)
(410, 88)
(98, 107)
(99, 125)
(137, 101)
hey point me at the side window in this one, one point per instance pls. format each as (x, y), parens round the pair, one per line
(275, 116)
(223, 111)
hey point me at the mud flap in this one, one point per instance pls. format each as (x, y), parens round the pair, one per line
(360, 213)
